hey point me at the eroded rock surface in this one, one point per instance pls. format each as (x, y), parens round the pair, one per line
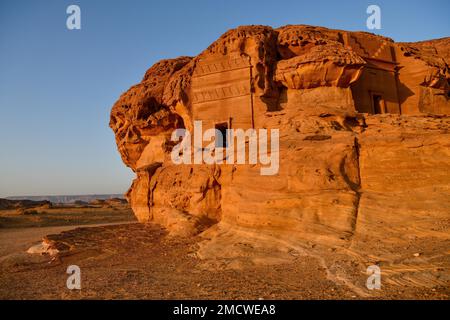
(364, 141)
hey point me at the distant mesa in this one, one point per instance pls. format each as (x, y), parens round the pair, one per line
(69, 198)
(9, 204)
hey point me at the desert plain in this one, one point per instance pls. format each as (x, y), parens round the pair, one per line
(363, 179)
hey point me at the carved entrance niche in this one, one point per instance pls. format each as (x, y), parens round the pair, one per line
(378, 103)
(221, 91)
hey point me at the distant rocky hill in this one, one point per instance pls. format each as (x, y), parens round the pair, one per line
(8, 204)
(69, 198)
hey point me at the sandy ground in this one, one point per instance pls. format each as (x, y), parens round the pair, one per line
(135, 261)
(17, 240)
(65, 216)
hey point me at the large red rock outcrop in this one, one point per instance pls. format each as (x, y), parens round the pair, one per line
(364, 140)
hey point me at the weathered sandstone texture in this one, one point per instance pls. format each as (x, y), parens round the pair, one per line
(364, 140)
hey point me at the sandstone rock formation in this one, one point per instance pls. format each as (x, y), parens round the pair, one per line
(364, 140)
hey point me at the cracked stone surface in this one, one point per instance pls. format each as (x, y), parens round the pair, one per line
(364, 145)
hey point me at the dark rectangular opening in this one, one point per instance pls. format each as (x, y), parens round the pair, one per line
(377, 104)
(221, 141)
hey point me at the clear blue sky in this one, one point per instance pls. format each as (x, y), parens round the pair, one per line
(57, 86)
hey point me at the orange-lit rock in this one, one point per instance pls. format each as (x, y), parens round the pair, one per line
(364, 140)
